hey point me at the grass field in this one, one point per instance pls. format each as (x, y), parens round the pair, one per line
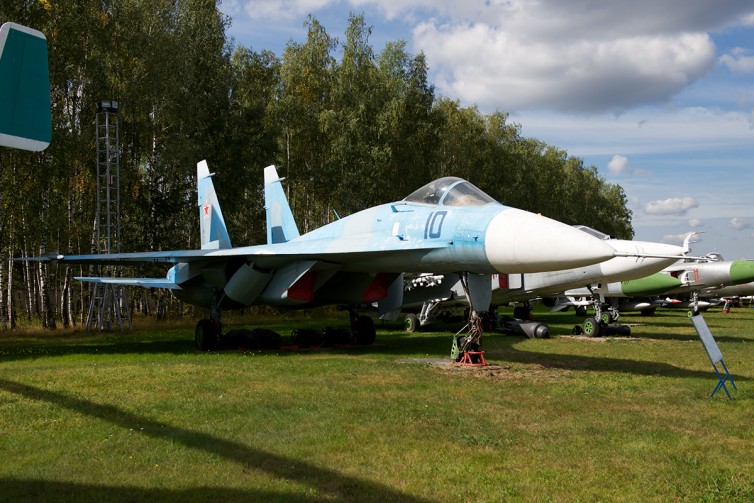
(144, 417)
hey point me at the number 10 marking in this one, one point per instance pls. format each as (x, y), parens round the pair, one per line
(433, 227)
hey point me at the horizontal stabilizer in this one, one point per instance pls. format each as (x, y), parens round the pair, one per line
(142, 282)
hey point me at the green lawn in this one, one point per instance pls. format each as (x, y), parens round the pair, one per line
(144, 417)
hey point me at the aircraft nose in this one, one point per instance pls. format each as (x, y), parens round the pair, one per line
(518, 242)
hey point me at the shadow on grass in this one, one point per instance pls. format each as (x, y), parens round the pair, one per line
(688, 337)
(45, 490)
(644, 327)
(93, 345)
(390, 339)
(508, 353)
(333, 486)
(389, 342)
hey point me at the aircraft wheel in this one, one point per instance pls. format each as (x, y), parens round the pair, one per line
(591, 327)
(411, 323)
(606, 318)
(364, 331)
(206, 335)
(521, 313)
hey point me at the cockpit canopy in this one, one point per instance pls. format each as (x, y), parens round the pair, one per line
(450, 191)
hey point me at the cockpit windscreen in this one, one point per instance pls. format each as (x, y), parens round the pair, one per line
(450, 191)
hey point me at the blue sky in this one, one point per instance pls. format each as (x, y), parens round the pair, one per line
(659, 96)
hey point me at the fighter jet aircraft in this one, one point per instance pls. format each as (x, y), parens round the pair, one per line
(25, 116)
(449, 225)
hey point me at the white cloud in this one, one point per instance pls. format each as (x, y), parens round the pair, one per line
(695, 222)
(578, 56)
(494, 68)
(674, 238)
(618, 165)
(281, 9)
(738, 224)
(671, 206)
(678, 130)
(739, 60)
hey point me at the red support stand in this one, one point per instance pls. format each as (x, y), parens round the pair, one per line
(468, 359)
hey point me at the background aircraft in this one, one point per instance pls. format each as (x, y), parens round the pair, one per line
(691, 278)
(448, 225)
(428, 294)
(741, 290)
(25, 116)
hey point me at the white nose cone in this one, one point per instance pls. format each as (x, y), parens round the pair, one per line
(518, 241)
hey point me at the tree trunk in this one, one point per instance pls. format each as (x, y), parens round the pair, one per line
(65, 306)
(3, 316)
(10, 307)
(31, 290)
(46, 311)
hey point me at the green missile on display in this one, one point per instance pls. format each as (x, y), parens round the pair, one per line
(742, 271)
(651, 285)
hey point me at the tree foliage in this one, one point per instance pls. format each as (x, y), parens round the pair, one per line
(349, 128)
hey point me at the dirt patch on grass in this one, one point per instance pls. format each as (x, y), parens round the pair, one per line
(527, 372)
(599, 339)
(496, 371)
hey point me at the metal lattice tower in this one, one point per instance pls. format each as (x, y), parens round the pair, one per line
(109, 304)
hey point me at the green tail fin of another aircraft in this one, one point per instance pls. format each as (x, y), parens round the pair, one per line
(25, 118)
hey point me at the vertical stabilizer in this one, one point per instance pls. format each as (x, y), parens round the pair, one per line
(211, 222)
(281, 227)
(25, 117)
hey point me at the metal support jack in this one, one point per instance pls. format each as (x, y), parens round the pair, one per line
(465, 350)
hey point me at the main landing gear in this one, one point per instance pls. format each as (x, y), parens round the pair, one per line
(208, 333)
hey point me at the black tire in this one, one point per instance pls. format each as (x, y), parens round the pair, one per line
(411, 323)
(580, 310)
(591, 327)
(623, 330)
(521, 312)
(206, 335)
(364, 331)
